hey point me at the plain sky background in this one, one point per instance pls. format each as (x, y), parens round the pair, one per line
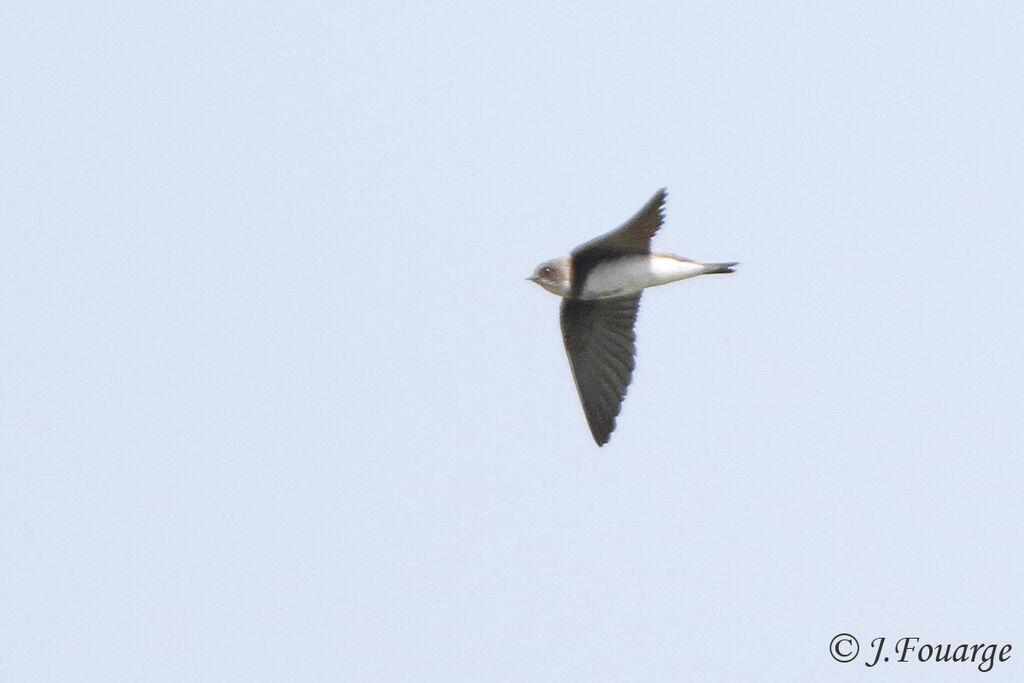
(277, 404)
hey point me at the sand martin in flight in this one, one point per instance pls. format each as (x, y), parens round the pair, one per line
(600, 283)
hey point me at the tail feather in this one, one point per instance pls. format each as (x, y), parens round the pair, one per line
(720, 267)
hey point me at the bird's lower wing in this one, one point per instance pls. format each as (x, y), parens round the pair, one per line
(600, 343)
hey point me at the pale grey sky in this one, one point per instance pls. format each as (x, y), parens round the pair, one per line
(276, 403)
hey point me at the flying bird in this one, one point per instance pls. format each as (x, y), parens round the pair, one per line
(600, 283)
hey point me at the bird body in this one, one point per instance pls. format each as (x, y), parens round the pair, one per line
(600, 283)
(634, 273)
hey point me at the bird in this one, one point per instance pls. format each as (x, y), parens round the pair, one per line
(600, 283)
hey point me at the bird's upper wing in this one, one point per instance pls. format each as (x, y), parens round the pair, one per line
(600, 343)
(633, 236)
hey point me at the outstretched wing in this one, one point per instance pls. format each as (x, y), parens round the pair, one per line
(600, 343)
(633, 236)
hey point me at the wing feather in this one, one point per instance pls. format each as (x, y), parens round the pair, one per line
(601, 345)
(633, 236)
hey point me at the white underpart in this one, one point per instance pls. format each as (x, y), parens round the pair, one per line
(630, 274)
